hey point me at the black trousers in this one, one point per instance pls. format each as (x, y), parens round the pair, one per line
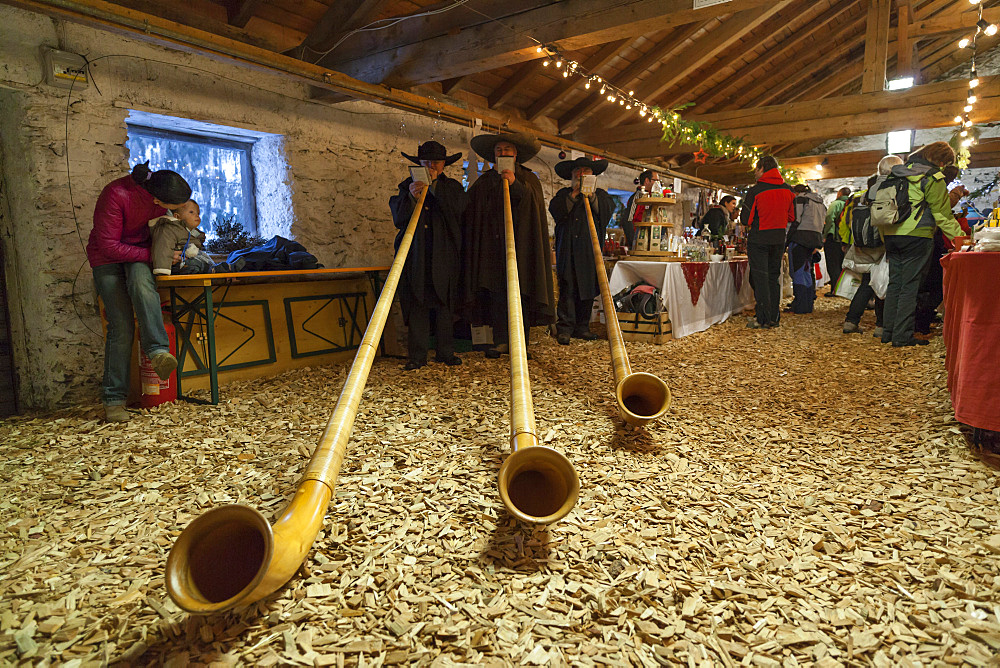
(931, 292)
(498, 317)
(834, 253)
(765, 272)
(418, 337)
(860, 302)
(572, 313)
(907, 263)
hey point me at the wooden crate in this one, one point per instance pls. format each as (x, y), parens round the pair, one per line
(636, 328)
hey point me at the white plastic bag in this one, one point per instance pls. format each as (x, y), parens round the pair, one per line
(880, 277)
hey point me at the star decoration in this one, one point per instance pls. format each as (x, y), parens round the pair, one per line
(700, 156)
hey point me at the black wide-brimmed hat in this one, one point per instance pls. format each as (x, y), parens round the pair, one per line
(527, 146)
(432, 150)
(566, 167)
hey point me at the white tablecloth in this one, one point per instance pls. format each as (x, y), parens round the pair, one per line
(718, 300)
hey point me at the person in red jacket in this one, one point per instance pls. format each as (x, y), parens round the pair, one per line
(766, 212)
(119, 254)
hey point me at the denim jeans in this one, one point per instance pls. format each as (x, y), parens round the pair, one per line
(122, 287)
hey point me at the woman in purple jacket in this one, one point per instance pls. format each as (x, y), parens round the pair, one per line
(119, 254)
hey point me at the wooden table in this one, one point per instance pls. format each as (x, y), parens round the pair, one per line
(325, 313)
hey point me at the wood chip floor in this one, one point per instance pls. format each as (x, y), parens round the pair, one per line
(808, 500)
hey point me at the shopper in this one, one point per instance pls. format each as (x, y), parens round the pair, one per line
(767, 211)
(909, 244)
(833, 248)
(715, 223)
(805, 237)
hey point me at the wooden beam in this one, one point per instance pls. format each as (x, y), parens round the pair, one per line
(571, 25)
(904, 45)
(863, 163)
(876, 46)
(751, 70)
(591, 64)
(240, 11)
(627, 76)
(927, 106)
(702, 52)
(150, 29)
(341, 17)
(940, 26)
(505, 90)
(449, 85)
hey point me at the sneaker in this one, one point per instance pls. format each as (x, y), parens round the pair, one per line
(586, 336)
(753, 324)
(877, 333)
(116, 413)
(453, 360)
(852, 328)
(163, 364)
(563, 339)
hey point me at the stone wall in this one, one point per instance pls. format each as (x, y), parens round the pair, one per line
(343, 164)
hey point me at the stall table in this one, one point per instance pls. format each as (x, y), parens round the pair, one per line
(252, 324)
(972, 336)
(697, 295)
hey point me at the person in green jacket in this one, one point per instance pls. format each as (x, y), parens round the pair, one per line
(832, 246)
(908, 245)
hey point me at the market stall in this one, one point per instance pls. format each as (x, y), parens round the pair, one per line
(697, 295)
(972, 336)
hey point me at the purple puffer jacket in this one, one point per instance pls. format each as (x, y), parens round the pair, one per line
(121, 224)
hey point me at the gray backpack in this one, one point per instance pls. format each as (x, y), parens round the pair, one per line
(891, 204)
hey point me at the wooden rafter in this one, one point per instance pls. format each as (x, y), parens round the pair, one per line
(876, 46)
(505, 90)
(340, 18)
(703, 51)
(591, 64)
(571, 25)
(240, 11)
(753, 69)
(627, 76)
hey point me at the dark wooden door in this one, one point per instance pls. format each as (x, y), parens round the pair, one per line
(8, 390)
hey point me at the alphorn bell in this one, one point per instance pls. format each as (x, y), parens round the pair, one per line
(230, 555)
(641, 396)
(537, 484)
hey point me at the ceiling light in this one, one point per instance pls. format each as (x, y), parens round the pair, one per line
(958, 119)
(967, 108)
(974, 2)
(990, 30)
(972, 98)
(587, 85)
(973, 82)
(545, 62)
(964, 42)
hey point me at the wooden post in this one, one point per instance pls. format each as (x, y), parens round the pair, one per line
(904, 45)
(876, 46)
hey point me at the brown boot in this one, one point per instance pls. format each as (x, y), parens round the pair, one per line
(116, 413)
(163, 364)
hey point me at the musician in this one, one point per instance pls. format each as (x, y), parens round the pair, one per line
(633, 210)
(575, 268)
(484, 246)
(428, 286)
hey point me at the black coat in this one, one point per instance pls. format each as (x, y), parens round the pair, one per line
(484, 250)
(716, 219)
(574, 249)
(433, 260)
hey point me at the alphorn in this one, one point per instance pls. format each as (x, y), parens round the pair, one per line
(230, 555)
(537, 484)
(641, 396)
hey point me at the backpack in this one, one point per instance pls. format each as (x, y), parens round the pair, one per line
(891, 204)
(641, 298)
(810, 217)
(863, 233)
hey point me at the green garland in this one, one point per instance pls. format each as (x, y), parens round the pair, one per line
(712, 141)
(985, 189)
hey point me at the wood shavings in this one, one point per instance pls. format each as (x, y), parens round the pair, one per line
(806, 500)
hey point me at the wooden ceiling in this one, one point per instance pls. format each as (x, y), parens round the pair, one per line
(785, 74)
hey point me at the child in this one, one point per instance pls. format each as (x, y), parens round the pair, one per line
(179, 232)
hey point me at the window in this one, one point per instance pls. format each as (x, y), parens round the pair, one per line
(218, 170)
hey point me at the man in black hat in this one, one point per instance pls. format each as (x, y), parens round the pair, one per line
(429, 282)
(575, 267)
(484, 247)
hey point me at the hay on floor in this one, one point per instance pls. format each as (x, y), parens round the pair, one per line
(808, 499)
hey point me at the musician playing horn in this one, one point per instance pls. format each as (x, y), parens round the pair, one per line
(484, 248)
(429, 282)
(575, 268)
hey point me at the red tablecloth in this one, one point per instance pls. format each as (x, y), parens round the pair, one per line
(972, 336)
